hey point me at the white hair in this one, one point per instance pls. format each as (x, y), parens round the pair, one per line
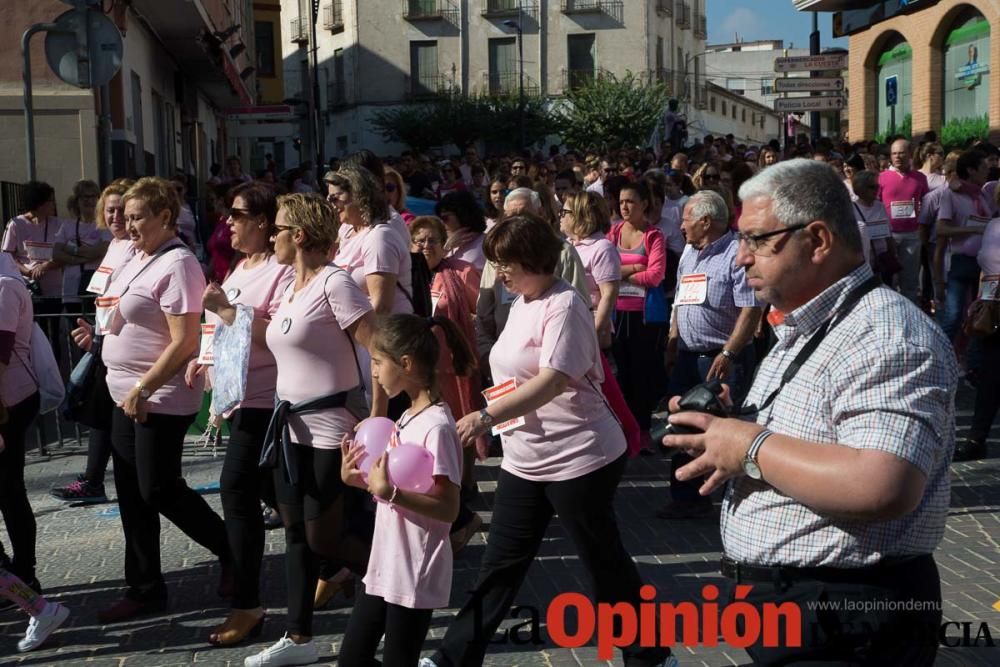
(534, 201)
(711, 204)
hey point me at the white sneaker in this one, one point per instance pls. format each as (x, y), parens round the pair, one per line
(43, 625)
(427, 662)
(284, 652)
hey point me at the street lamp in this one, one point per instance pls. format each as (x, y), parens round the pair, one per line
(520, 61)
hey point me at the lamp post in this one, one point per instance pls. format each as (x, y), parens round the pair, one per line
(520, 77)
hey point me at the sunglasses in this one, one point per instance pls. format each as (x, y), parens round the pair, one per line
(390, 187)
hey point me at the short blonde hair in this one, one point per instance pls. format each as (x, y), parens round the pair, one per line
(158, 194)
(590, 213)
(314, 215)
(117, 188)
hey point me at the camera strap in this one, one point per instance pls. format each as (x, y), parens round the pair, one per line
(807, 350)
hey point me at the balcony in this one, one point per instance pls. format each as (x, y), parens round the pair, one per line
(700, 26)
(426, 87)
(574, 79)
(682, 14)
(333, 16)
(665, 7)
(506, 83)
(430, 10)
(505, 9)
(300, 30)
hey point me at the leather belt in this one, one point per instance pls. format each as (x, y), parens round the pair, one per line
(869, 574)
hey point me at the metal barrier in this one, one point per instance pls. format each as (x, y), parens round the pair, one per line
(10, 201)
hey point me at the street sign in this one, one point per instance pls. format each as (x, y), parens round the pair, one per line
(891, 90)
(818, 103)
(811, 63)
(85, 48)
(796, 84)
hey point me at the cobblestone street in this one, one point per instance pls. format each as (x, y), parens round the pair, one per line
(80, 560)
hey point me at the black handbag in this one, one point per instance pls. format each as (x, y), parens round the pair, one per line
(88, 400)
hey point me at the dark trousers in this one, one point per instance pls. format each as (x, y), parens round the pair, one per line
(962, 282)
(691, 370)
(855, 636)
(987, 388)
(522, 511)
(405, 630)
(243, 485)
(98, 455)
(638, 352)
(149, 483)
(14, 505)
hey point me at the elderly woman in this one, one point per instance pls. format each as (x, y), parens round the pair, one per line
(258, 281)
(312, 336)
(89, 487)
(566, 458)
(151, 329)
(465, 223)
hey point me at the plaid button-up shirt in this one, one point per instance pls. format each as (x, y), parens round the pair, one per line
(884, 378)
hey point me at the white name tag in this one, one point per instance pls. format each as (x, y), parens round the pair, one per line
(106, 308)
(100, 280)
(976, 222)
(625, 288)
(903, 209)
(692, 290)
(988, 288)
(878, 229)
(206, 357)
(499, 391)
(39, 252)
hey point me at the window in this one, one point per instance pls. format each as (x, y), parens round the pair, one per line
(711, 104)
(264, 45)
(734, 112)
(424, 75)
(160, 135)
(580, 58)
(736, 85)
(503, 65)
(767, 86)
(743, 115)
(339, 85)
(753, 118)
(724, 108)
(659, 54)
(140, 148)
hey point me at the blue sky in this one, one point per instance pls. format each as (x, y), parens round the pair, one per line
(765, 19)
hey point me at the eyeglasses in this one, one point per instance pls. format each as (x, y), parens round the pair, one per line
(755, 241)
(335, 197)
(564, 212)
(237, 213)
(502, 268)
(427, 242)
(282, 228)
(390, 187)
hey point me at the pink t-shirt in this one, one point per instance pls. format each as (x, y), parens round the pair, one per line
(377, 249)
(575, 433)
(601, 262)
(958, 207)
(907, 190)
(314, 354)
(172, 285)
(16, 383)
(411, 561)
(261, 288)
(989, 253)
(119, 252)
(21, 230)
(472, 252)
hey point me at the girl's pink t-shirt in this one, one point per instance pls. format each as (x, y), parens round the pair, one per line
(601, 262)
(261, 288)
(377, 249)
(18, 315)
(20, 230)
(172, 285)
(575, 433)
(315, 355)
(411, 562)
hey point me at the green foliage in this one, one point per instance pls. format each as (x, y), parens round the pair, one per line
(956, 133)
(414, 125)
(610, 112)
(502, 126)
(905, 129)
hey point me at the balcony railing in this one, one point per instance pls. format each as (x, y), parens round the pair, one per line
(426, 86)
(300, 30)
(583, 6)
(665, 7)
(500, 9)
(700, 26)
(506, 83)
(430, 10)
(682, 14)
(574, 79)
(333, 16)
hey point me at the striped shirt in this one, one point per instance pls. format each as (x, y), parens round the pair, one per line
(707, 326)
(884, 378)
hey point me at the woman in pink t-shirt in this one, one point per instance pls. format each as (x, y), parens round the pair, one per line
(312, 336)
(80, 242)
(466, 225)
(564, 452)
(409, 571)
(151, 330)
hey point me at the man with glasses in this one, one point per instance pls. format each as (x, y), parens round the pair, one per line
(838, 477)
(606, 169)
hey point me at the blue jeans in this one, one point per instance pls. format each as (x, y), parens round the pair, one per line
(963, 279)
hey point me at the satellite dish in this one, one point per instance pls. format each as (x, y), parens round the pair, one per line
(85, 50)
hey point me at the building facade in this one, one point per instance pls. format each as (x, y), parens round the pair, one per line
(729, 112)
(373, 54)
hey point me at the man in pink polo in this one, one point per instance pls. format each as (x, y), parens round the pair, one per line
(902, 190)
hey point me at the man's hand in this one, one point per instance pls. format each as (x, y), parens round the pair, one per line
(719, 449)
(720, 369)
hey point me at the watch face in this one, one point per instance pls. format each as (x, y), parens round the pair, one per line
(752, 470)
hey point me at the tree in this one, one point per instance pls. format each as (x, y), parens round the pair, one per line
(609, 112)
(461, 119)
(415, 125)
(503, 125)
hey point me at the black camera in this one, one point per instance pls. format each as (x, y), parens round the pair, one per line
(706, 397)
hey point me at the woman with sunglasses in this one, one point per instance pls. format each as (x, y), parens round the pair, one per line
(395, 192)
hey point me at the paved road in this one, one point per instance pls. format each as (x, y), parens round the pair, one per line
(80, 560)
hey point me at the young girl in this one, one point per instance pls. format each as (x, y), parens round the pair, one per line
(409, 571)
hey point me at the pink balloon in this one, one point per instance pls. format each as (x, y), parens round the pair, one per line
(373, 434)
(411, 468)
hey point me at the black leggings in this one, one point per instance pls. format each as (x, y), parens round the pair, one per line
(17, 514)
(405, 630)
(638, 353)
(315, 510)
(98, 455)
(244, 484)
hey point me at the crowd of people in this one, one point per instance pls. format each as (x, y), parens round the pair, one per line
(540, 314)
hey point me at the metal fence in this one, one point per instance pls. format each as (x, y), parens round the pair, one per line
(10, 201)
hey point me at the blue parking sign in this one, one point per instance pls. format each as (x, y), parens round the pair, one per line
(891, 90)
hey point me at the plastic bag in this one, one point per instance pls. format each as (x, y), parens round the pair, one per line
(231, 349)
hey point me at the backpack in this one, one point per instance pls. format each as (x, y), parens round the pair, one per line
(421, 277)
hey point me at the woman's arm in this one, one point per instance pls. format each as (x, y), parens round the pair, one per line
(440, 502)
(657, 267)
(606, 305)
(185, 331)
(363, 330)
(530, 396)
(381, 291)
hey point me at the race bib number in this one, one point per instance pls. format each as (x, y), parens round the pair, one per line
(206, 357)
(988, 288)
(499, 391)
(903, 209)
(39, 252)
(878, 229)
(692, 289)
(106, 311)
(100, 280)
(628, 289)
(976, 222)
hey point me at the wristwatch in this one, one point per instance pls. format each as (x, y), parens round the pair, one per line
(728, 355)
(485, 418)
(750, 465)
(143, 392)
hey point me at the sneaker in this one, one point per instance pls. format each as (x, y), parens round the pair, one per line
(272, 519)
(426, 662)
(43, 625)
(80, 491)
(284, 652)
(967, 449)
